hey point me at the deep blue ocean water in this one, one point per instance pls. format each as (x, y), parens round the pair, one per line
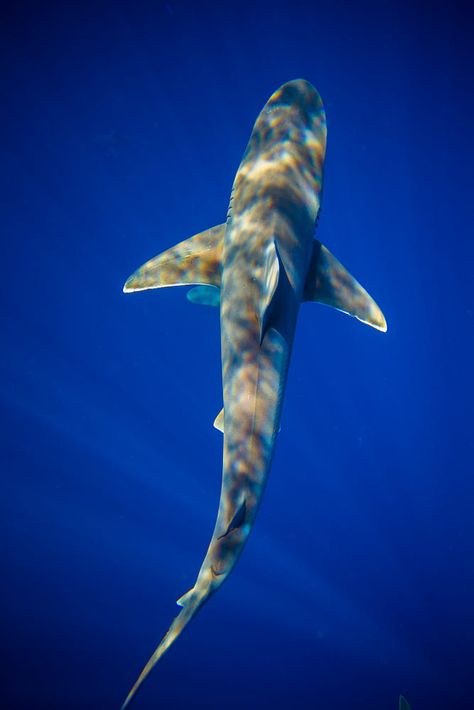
(122, 126)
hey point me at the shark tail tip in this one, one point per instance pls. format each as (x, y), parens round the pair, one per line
(127, 701)
(175, 630)
(135, 688)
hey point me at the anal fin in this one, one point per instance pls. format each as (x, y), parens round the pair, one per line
(329, 282)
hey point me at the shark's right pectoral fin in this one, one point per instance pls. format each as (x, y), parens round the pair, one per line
(329, 282)
(194, 261)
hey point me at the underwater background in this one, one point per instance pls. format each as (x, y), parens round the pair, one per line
(122, 126)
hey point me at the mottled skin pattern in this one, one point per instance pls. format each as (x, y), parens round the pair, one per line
(272, 215)
(260, 259)
(275, 202)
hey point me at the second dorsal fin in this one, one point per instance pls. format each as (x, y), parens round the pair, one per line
(195, 261)
(185, 598)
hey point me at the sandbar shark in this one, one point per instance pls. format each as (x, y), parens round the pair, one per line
(258, 267)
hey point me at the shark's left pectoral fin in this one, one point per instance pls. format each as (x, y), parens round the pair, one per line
(328, 282)
(195, 261)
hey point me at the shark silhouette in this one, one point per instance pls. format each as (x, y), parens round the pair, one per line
(258, 266)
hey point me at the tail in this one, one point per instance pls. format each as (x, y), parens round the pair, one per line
(191, 603)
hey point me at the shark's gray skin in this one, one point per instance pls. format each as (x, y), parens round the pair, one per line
(259, 266)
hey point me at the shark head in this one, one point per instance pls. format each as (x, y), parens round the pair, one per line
(291, 127)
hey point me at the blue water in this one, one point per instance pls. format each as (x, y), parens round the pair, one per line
(122, 128)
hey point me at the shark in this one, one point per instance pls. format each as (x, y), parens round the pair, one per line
(258, 267)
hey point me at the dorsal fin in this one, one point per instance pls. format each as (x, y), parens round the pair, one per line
(194, 261)
(328, 282)
(271, 275)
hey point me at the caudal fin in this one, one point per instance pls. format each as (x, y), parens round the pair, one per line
(192, 604)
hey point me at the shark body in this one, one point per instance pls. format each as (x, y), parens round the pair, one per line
(259, 267)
